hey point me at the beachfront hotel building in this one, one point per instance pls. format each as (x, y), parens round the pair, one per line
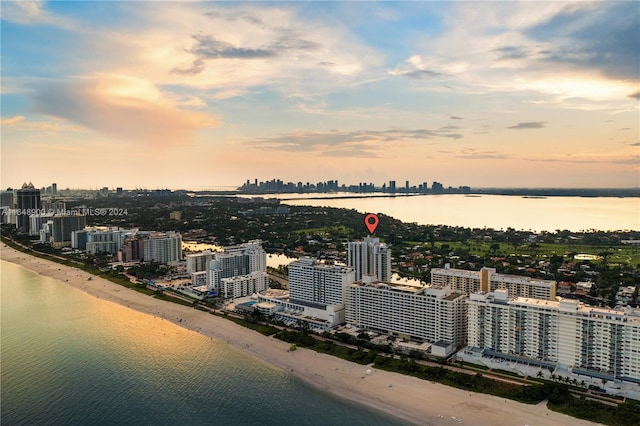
(487, 280)
(433, 314)
(247, 262)
(317, 283)
(100, 239)
(315, 297)
(275, 304)
(597, 342)
(243, 285)
(369, 257)
(163, 247)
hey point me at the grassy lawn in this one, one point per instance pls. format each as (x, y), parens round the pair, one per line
(622, 254)
(336, 231)
(260, 328)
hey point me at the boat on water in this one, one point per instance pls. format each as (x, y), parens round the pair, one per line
(534, 196)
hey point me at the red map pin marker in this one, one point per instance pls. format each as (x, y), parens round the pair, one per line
(371, 221)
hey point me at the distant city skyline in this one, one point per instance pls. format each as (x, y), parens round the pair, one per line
(200, 94)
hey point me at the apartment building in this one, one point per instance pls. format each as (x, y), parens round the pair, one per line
(432, 313)
(487, 280)
(317, 283)
(600, 342)
(369, 257)
(163, 247)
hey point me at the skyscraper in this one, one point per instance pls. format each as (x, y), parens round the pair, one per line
(370, 257)
(163, 247)
(28, 200)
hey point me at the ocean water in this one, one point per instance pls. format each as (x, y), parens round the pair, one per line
(71, 359)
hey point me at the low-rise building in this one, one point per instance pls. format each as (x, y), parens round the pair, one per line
(277, 305)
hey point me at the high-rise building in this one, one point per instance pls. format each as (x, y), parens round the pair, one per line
(7, 212)
(370, 257)
(318, 284)
(54, 188)
(197, 262)
(28, 202)
(241, 260)
(62, 227)
(243, 285)
(163, 247)
(6, 198)
(433, 314)
(599, 342)
(487, 280)
(101, 240)
(132, 249)
(37, 220)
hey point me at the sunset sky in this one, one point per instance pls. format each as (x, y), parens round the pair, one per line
(202, 94)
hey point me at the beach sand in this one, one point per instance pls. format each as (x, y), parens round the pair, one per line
(408, 398)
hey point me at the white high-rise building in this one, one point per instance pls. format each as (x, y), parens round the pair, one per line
(243, 285)
(107, 240)
(317, 283)
(370, 257)
(433, 314)
(241, 260)
(594, 341)
(486, 279)
(163, 247)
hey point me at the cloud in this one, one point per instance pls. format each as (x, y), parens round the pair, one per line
(635, 95)
(208, 47)
(130, 109)
(529, 125)
(634, 161)
(511, 52)
(455, 117)
(11, 121)
(584, 36)
(334, 142)
(20, 122)
(634, 144)
(563, 54)
(32, 13)
(278, 48)
(474, 154)
(418, 67)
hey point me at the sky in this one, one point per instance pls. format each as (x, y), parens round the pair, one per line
(209, 94)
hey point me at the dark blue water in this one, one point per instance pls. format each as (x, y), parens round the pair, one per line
(71, 359)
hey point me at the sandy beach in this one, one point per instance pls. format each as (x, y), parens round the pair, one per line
(414, 400)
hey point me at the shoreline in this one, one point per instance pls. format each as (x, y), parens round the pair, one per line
(404, 397)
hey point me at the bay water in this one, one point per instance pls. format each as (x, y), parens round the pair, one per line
(491, 211)
(71, 359)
